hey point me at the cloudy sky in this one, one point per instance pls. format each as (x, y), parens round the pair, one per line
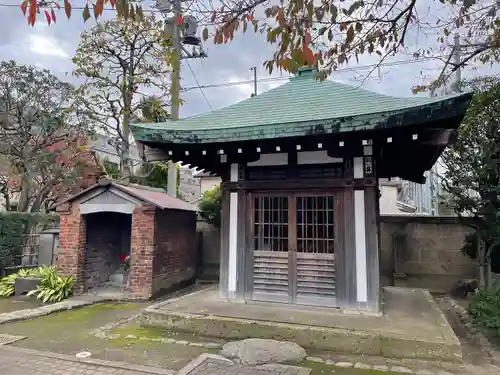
(52, 47)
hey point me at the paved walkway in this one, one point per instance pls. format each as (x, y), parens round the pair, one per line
(208, 364)
(16, 361)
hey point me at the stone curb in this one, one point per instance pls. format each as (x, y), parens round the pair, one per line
(475, 331)
(100, 334)
(68, 304)
(96, 362)
(158, 305)
(381, 368)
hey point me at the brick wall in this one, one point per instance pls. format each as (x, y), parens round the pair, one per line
(71, 256)
(424, 251)
(108, 237)
(176, 257)
(142, 251)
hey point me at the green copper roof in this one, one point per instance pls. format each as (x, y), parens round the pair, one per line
(304, 106)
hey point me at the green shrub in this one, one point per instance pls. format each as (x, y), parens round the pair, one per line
(485, 309)
(210, 206)
(7, 283)
(469, 249)
(52, 287)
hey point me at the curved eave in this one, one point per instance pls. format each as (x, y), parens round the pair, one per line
(449, 108)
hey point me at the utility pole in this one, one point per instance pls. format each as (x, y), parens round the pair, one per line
(254, 68)
(178, 50)
(175, 90)
(457, 57)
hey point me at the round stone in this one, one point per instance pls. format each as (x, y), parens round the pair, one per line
(315, 359)
(252, 352)
(83, 355)
(344, 364)
(362, 366)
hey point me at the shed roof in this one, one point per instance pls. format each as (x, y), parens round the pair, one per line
(304, 106)
(156, 197)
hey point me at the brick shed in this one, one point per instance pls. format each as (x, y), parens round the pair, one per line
(109, 221)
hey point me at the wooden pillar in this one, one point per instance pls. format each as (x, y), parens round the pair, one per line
(346, 262)
(233, 244)
(359, 282)
(224, 243)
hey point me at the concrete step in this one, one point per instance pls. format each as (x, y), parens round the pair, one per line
(117, 278)
(417, 332)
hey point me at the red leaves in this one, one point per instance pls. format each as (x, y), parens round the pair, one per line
(47, 15)
(24, 6)
(213, 16)
(53, 15)
(67, 8)
(309, 56)
(307, 39)
(32, 12)
(180, 21)
(98, 9)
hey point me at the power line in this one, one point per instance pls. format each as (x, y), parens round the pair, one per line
(274, 79)
(199, 86)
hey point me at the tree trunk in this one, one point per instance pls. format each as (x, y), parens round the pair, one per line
(489, 278)
(481, 254)
(125, 172)
(24, 199)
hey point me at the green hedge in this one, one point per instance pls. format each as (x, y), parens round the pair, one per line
(14, 226)
(485, 308)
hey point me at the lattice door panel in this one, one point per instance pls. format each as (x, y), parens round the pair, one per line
(271, 249)
(315, 258)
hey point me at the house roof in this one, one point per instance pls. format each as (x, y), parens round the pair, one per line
(304, 106)
(156, 197)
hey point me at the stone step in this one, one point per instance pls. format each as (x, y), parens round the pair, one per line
(310, 337)
(117, 278)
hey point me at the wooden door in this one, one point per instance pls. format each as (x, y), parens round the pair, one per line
(293, 248)
(271, 248)
(315, 250)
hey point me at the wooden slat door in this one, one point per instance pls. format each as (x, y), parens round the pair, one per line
(315, 250)
(271, 248)
(293, 249)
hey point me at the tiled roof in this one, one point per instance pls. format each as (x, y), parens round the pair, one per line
(301, 106)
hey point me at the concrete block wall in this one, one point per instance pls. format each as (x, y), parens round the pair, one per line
(424, 252)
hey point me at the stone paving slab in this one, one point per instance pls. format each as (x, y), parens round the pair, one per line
(17, 361)
(68, 304)
(9, 339)
(208, 364)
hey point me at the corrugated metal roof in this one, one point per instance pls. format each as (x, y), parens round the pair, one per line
(157, 198)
